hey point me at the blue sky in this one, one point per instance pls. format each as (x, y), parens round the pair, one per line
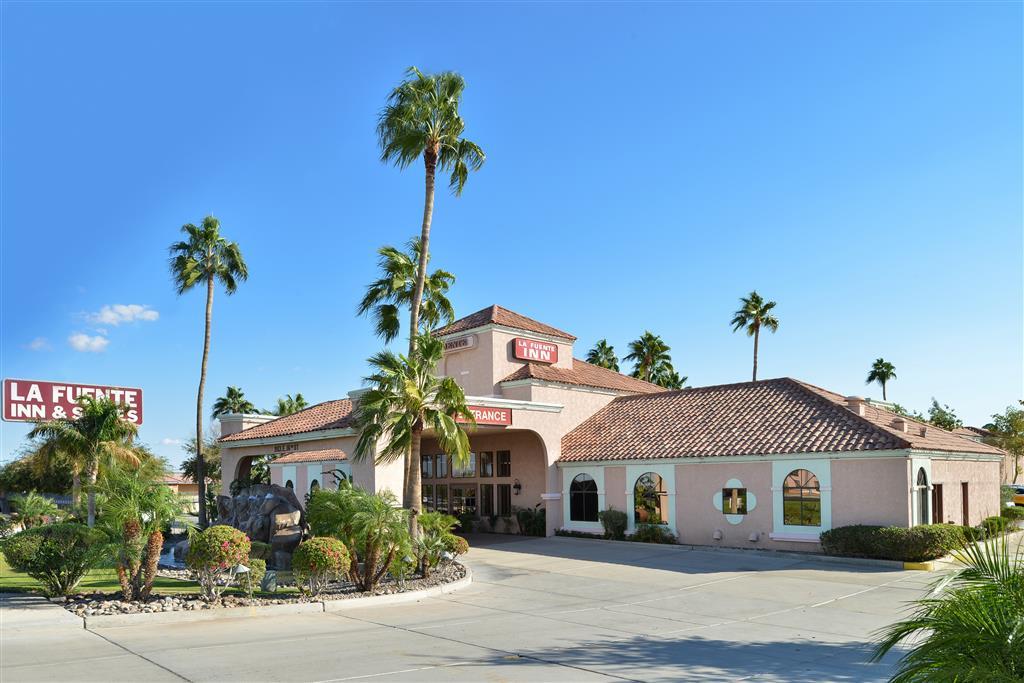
(647, 166)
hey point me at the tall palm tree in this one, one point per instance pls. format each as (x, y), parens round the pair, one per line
(205, 257)
(603, 355)
(666, 376)
(421, 120)
(290, 405)
(386, 296)
(881, 371)
(404, 399)
(233, 401)
(99, 435)
(755, 313)
(648, 354)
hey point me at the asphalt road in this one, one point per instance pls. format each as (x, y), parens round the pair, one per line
(554, 609)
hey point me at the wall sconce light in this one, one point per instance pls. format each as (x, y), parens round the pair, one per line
(717, 535)
(517, 487)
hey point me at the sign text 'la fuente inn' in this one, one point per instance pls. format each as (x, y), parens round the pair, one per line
(530, 349)
(32, 401)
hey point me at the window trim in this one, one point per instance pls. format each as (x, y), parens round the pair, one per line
(820, 468)
(568, 475)
(668, 479)
(585, 494)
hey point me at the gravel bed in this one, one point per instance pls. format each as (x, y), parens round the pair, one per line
(93, 604)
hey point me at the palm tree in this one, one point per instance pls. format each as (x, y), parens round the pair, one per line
(394, 290)
(881, 371)
(603, 355)
(290, 405)
(421, 120)
(666, 376)
(969, 628)
(205, 257)
(233, 401)
(754, 313)
(100, 435)
(404, 398)
(648, 353)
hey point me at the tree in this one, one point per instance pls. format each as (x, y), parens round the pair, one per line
(34, 509)
(233, 401)
(404, 398)
(882, 371)
(666, 376)
(943, 416)
(32, 471)
(205, 257)
(211, 466)
(386, 296)
(290, 405)
(99, 436)
(649, 355)
(1008, 433)
(603, 355)
(753, 314)
(969, 628)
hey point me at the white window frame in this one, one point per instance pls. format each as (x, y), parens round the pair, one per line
(314, 472)
(917, 464)
(668, 478)
(288, 473)
(570, 473)
(820, 468)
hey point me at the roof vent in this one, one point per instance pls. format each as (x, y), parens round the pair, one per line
(855, 404)
(900, 424)
(924, 430)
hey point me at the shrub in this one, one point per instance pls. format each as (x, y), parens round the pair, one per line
(995, 525)
(577, 534)
(212, 552)
(319, 561)
(56, 555)
(260, 551)
(466, 522)
(653, 533)
(1006, 494)
(1014, 514)
(250, 581)
(973, 534)
(532, 521)
(456, 545)
(917, 544)
(614, 523)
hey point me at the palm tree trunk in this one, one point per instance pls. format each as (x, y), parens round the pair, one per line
(757, 333)
(76, 490)
(90, 476)
(883, 392)
(200, 462)
(416, 482)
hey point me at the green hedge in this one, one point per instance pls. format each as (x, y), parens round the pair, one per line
(1014, 514)
(917, 544)
(614, 523)
(995, 525)
(55, 555)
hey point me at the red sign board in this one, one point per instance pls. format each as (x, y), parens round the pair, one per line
(490, 416)
(529, 349)
(28, 400)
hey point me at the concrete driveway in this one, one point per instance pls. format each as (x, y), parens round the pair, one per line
(556, 609)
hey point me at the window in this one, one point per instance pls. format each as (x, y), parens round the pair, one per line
(427, 497)
(441, 469)
(464, 500)
(441, 501)
(427, 467)
(922, 497)
(801, 499)
(504, 463)
(314, 486)
(465, 470)
(937, 504)
(734, 501)
(486, 464)
(583, 499)
(289, 485)
(965, 503)
(486, 500)
(650, 502)
(504, 499)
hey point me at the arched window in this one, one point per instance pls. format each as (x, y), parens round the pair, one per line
(801, 499)
(583, 499)
(314, 486)
(650, 502)
(922, 497)
(289, 485)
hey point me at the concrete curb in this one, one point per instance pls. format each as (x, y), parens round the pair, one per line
(102, 621)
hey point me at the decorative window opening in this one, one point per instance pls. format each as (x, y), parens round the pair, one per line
(441, 466)
(504, 500)
(289, 485)
(583, 499)
(427, 497)
(441, 499)
(801, 499)
(922, 496)
(464, 500)
(486, 464)
(427, 467)
(734, 501)
(314, 486)
(650, 500)
(504, 463)
(486, 500)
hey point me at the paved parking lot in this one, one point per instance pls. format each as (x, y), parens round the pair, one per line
(556, 609)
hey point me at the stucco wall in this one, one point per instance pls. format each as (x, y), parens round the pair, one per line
(870, 491)
(697, 518)
(983, 488)
(615, 488)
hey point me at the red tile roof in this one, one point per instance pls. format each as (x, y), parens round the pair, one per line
(496, 315)
(325, 455)
(322, 416)
(584, 374)
(176, 478)
(753, 418)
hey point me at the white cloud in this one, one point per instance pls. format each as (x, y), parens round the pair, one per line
(167, 441)
(83, 342)
(39, 344)
(123, 313)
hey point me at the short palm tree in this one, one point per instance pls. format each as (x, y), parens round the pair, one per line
(666, 376)
(404, 399)
(755, 313)
(205, 257)
(34, 509)
(603, 355)
(290, 404)
(233, 401)
(99, 435)
(421, 120)
(648, 354)
(881, 371)
(393, 292)
(970, 627)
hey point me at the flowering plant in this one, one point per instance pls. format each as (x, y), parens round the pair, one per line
(318, 561)
(212, 553)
